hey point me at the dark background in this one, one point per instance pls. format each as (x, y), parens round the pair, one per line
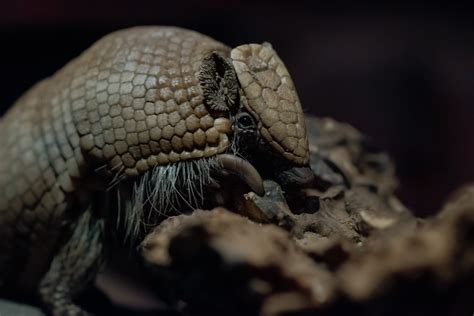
(404, 75)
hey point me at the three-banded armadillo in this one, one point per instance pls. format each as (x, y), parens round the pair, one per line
(154, 111)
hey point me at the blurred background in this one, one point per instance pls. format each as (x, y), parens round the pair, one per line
(403, 75)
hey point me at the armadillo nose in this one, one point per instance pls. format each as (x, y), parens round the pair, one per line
(296, 177)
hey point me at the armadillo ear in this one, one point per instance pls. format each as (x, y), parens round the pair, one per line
(219, 83)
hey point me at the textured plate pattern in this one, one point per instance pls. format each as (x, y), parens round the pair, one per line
(272, 99)
(129, 102)
(137, 101)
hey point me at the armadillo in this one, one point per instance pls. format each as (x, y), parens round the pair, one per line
(137, 110)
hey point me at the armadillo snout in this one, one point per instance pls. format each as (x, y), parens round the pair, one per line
(296, 177)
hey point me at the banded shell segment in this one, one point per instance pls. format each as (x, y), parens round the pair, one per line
(137, 101)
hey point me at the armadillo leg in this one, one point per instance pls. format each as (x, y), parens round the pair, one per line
(74, 267)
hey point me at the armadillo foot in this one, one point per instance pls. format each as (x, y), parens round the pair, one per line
(74, 267)
(70, 310)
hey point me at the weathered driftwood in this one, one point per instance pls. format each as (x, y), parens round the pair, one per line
(344, 245)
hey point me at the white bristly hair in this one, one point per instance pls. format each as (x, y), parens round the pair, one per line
(164, 189)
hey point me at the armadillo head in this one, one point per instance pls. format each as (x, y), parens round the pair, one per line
(255, 90)
(272, 100)
(269, 96)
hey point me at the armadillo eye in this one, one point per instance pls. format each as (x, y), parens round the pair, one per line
(245, 120)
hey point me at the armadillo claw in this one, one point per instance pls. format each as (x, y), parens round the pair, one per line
(244, 170)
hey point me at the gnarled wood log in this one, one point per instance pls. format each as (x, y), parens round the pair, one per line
(346, 244)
